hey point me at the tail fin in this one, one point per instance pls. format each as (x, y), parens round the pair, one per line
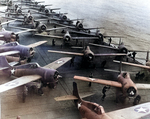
(3, 62)
(75, 91)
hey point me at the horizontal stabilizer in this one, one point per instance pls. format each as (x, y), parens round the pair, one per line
(72, 97)
(100, 81)
(69, 53)
(66, 97)
(18, 82)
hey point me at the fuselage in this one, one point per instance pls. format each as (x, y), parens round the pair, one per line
(25, 52)
(48, 75)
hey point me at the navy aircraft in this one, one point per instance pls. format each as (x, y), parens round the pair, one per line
(88, 55)
(91, 110)
(26, 73)
(126, 87)
(38, 27)
(77, 27)
(39, 7)
(25, 52)
(67, 38)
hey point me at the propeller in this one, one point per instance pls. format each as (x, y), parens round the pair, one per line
(131, 91)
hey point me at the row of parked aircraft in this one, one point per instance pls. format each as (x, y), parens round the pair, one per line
(12, 53)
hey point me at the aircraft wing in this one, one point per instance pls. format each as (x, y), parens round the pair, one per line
(8, 22)
(101, 81)
(72, 97)
(114, 36)
(85, 38)
(18, 82)
(51, 36)
(58, 63)
(141, 111)
(93, 28)
(111, 54)
(52, 29)
(104, 46)
(80, 32)
(9, 53)
(142, 86)
(36, 44)
(2, 68)
(24, 29)
(132, 64)
(69, 53)
(28, 30)
(138, 51)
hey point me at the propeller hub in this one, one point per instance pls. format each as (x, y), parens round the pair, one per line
(131, 91)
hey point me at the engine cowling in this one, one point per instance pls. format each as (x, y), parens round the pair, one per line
(100, 36)
(64, 17)
(67, 37)
(16, 6)
(122, 48)
(128, 87)
(41, 28)
(79, 25)
(46, 11)
(30, 18)
(88, 54)
(19, 11)
(51, 77)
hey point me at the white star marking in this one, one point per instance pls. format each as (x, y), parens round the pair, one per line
(13, 71)
(79, 105)
(91, 79)
(59, 61)
(141, 110)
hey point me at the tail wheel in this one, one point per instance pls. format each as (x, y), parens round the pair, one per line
(137, 100)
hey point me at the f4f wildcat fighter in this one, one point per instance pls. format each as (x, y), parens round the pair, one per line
(29, 72)
(90, 110)
(88, 55)
(25, 52)
(126, 88)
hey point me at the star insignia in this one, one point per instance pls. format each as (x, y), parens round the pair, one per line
(142, 109)
(13, 71)
(59, 61)
(92, 79)
(79, 105)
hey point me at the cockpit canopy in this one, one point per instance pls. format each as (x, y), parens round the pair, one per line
(32, 65)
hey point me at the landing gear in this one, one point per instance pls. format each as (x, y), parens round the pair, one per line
(137, 100)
